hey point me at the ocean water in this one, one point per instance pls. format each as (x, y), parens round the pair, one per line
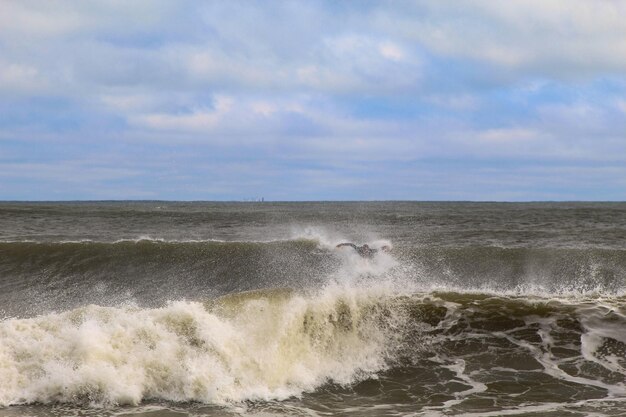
(227, 309)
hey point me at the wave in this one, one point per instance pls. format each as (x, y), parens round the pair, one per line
(262, 345)
(62, 276)
(93, 323)
(540, 271)
(236, 266)
(322, 237)
(277, 343)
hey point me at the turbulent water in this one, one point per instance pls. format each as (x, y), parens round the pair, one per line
(173, 309)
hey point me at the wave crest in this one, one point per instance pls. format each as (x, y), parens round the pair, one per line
(260, 345)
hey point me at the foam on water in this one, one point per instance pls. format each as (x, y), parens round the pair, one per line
(369, 316)
(266, 345)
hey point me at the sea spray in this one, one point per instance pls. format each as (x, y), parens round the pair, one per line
(262, 345)
(479, 309)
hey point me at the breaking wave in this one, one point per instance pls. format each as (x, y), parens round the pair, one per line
(217, 322)
(268, 344)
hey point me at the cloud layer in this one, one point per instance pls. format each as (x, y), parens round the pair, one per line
(516, 100)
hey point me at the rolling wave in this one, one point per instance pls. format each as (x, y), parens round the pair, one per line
(277, 343)
(263, 345)
(181, 267)
(62, 276)
(223, 322)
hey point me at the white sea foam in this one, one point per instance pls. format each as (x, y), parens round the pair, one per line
(266, 345)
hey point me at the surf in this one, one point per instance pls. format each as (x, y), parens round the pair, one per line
(252, 346)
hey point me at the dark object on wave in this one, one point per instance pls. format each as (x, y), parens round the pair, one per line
(364, 251)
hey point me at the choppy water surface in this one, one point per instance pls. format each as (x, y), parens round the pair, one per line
(173, 309)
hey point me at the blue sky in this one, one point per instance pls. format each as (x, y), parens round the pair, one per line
(317, 100)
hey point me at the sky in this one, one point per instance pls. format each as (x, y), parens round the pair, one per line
(313, 100)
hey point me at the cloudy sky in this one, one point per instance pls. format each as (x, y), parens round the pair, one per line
(313, 100)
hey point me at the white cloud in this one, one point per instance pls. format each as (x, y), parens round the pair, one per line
(363, 84)
(509, 135)
(197, 120)
(335, 64)
(264, 108)
(464, 102)
(577, 37)
(129, 103)
(38, 19)
(20, 78)
(84, 48)
(208, 65)
(391, 51)
(63, 18)
(65, 171)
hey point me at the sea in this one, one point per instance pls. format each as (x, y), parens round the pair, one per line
(167, 309)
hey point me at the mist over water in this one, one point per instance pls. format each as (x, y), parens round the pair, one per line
(240, 308)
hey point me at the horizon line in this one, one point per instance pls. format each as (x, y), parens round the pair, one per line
(304, 201)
